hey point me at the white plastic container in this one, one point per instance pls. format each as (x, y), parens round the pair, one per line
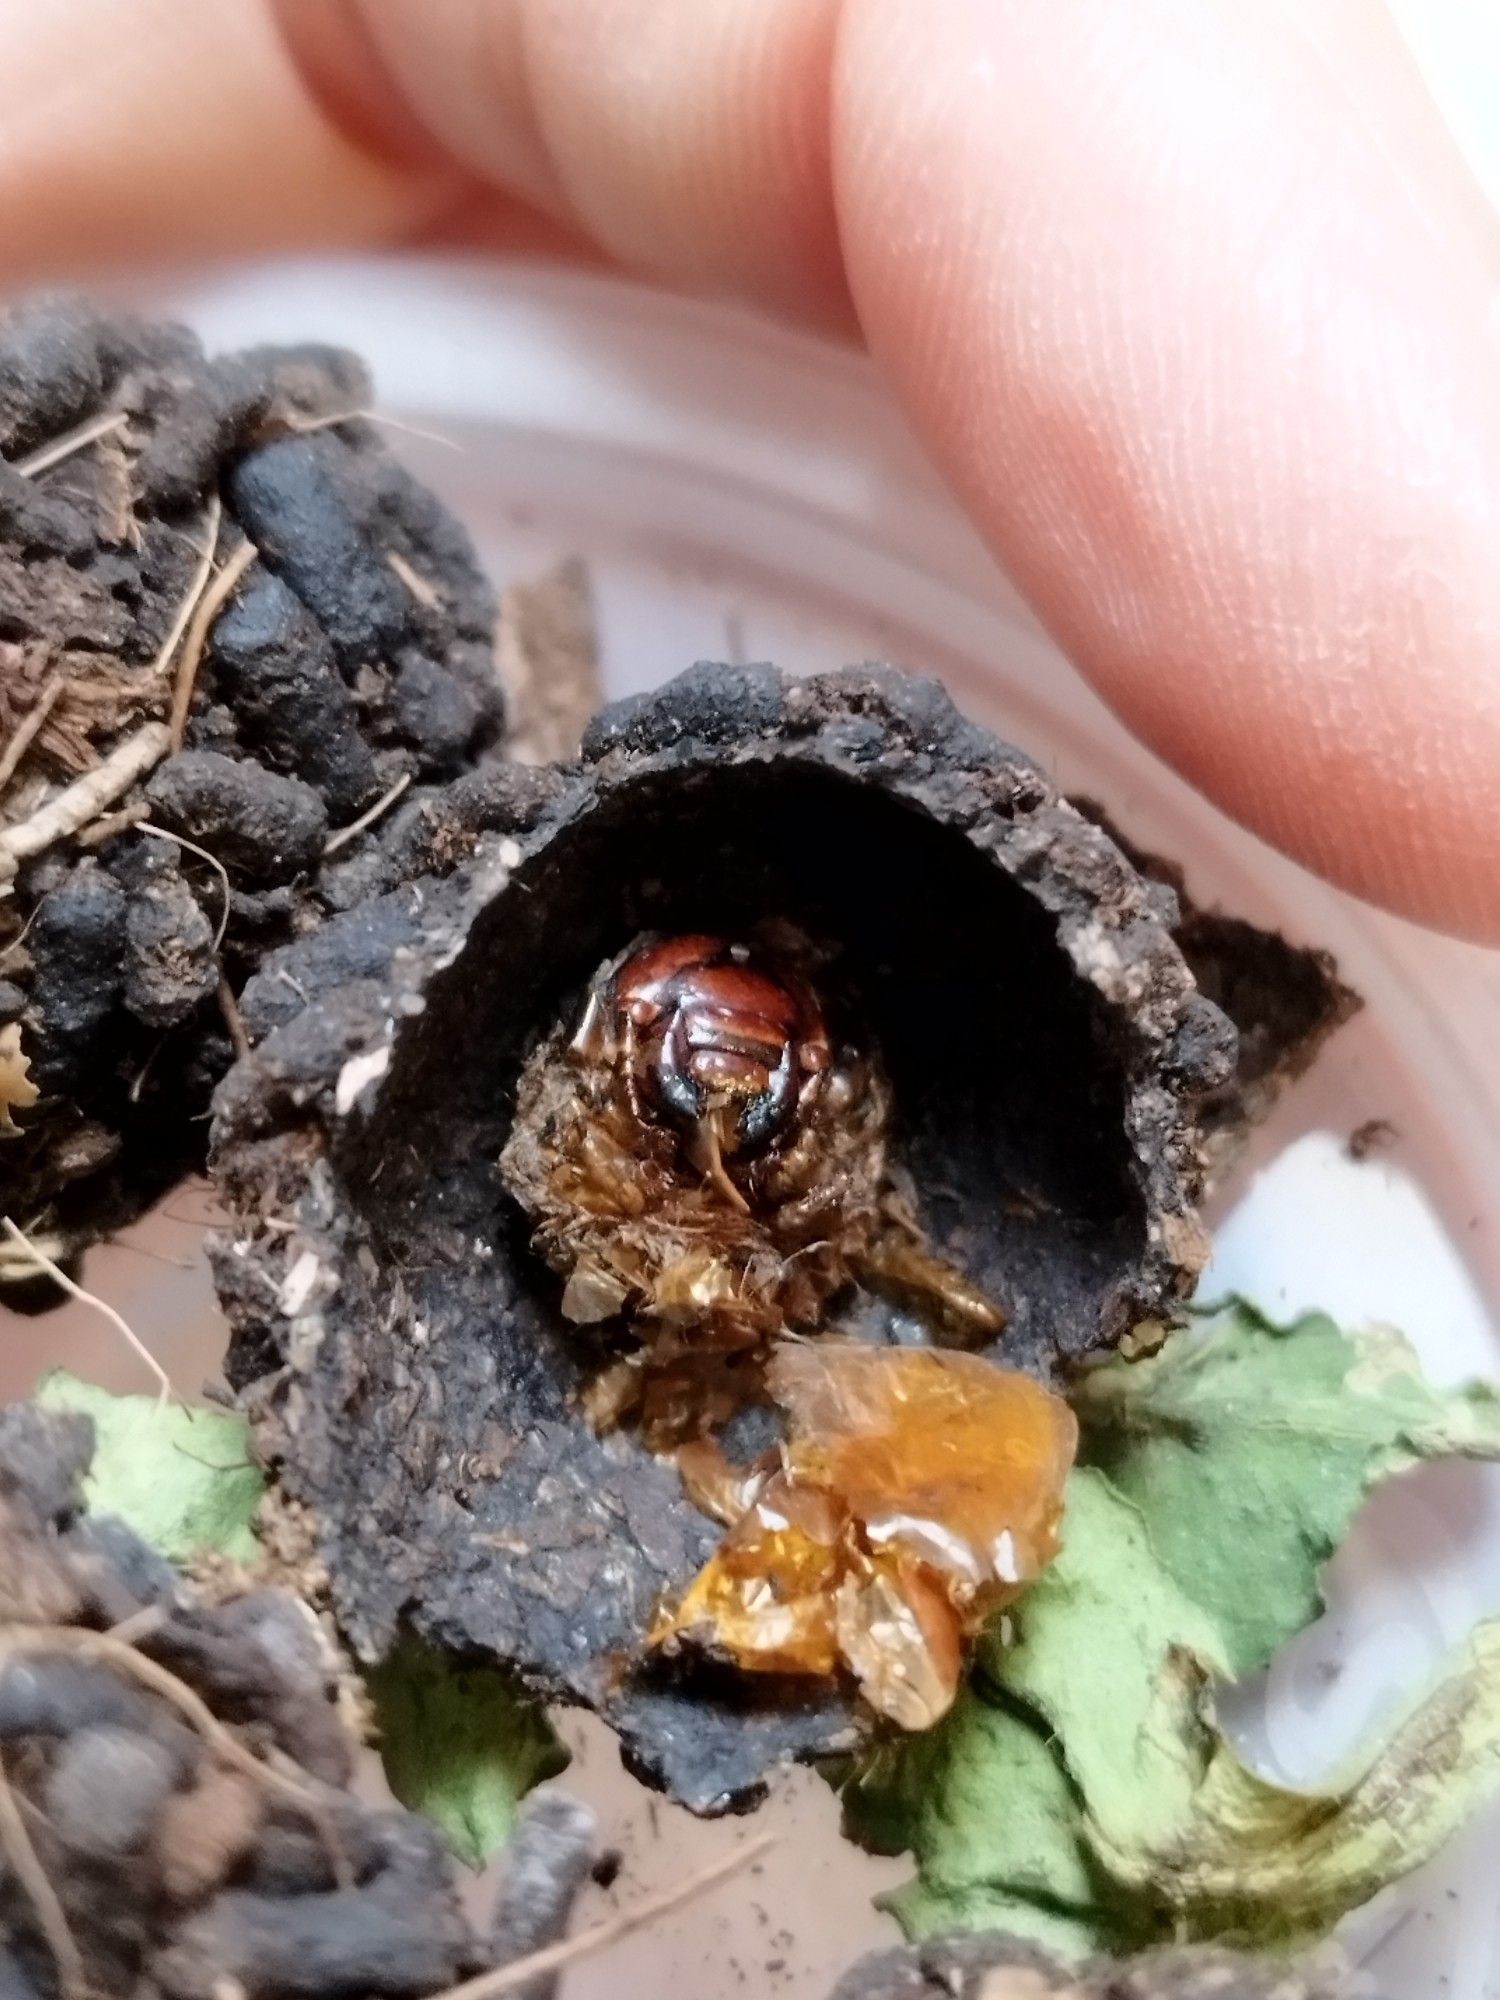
(739, 491)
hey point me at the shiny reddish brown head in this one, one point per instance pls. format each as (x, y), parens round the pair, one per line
(710, 1028)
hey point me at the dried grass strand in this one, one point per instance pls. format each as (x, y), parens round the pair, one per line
(210, 605)
(424, 592)
(304, 426)
(213, 514)
(50, 1915)
(367, 818)
(30, 727)
(113, 823)
(599, 1937)
(78, 439)
(74, 1290)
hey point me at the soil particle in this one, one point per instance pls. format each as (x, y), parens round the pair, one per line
(77, 947)
(550, 1856)
(433, 711)
(105, 1790)
(291, 706)
(51, 374)
(169, 963)
(265, 827)
(298, 499)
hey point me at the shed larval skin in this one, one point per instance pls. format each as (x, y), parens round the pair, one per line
(703, 1161)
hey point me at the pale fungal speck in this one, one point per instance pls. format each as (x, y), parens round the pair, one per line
(357, 1075)
(299, 1284)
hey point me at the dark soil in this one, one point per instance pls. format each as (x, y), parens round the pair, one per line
(356, 652)
(176, 1870)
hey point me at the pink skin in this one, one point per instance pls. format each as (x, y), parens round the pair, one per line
(1193, 301)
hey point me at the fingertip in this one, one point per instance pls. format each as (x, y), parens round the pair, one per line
(160, 130)
(689, 142)
(1211, 364)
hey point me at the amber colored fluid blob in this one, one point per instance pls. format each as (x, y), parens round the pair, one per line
(919, 1490)
(768, 1597)
(943, 1457)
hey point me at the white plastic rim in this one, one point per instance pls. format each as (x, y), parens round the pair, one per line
(742, 491)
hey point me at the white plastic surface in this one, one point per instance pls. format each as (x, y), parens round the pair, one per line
(740, 491)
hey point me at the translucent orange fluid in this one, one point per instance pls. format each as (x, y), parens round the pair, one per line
(919, 1491)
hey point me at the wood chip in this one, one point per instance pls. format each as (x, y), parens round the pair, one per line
(71, 809)
(17, 1091)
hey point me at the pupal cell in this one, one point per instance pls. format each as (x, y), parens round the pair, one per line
(1033, 1049)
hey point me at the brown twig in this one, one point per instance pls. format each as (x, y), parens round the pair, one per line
(234, 1020)
(166, 651)
(59, 1276)
(599, 1937)
(31, 1875)
(71, 809)
(368, 818)
(107, 1650)
(29, 728)
(416, 583)
(210, 605)
(8, 951)
(47, 455)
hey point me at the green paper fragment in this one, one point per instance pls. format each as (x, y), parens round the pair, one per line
(1259, 1863)
(461, 1744)
(1081, 1793)
(1248, 1447)
(183, 1479)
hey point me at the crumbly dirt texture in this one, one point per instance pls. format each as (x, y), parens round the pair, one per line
(990, 1967)
(147, 1852)
(354, 653)
(399, 1345)
(1284, 999)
